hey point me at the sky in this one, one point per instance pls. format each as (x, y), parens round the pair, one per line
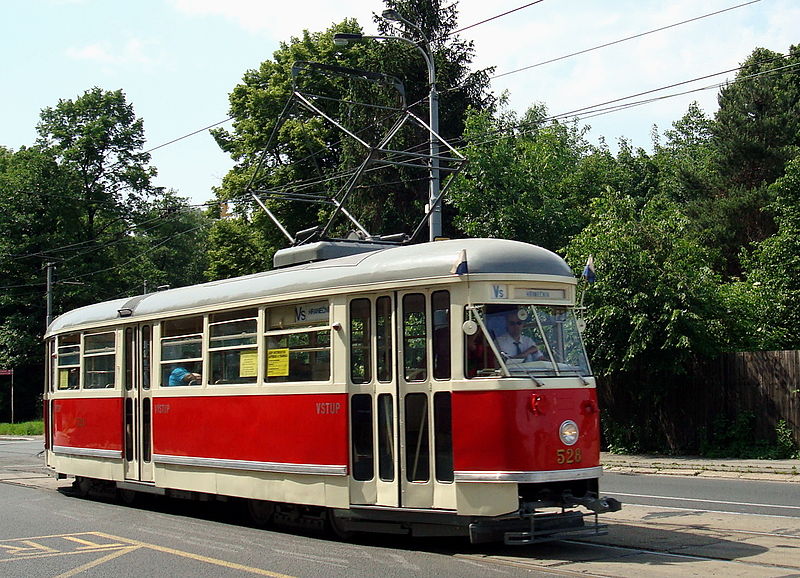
(177, 60)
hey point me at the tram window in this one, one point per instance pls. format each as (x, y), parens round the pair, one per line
(99, 353)
(181, 351)
(147, 351)
(440, 305)
(48, 371)
(146, 427)
(361, 427)
(384, 336)
(69, 361)
(416, 432)
(127, 356)
(298, 343)
(415, 360)
(232, 344)
(443, 435)
(360, 340)
(128, 429)
(386, 437)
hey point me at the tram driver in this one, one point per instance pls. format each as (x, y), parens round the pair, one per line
(514, 343)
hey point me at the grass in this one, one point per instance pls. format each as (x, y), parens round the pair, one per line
(25, 428)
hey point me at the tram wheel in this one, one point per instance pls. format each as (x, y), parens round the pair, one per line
(127, 497)
(339, 528)
(82, 486)
(261, 512)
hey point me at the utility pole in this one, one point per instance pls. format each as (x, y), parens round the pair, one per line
(50, 267)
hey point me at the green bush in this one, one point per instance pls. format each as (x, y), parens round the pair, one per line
(735, 439)
(25, 428)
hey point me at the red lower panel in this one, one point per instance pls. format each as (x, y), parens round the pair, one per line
(513, 431)
(88, 423)
(295, 429)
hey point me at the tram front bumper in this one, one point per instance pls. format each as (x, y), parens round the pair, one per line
(535, 528)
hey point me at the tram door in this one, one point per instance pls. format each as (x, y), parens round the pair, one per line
(401, 451)
(373, 401)
(424, 400)
(138, 402)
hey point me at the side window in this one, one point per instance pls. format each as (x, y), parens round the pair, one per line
(233, 346)
(181, 351)
(147, 354)
(360, 340)
(69, 361)
(415, 358)
(298, 343)
(99, 351)
(385, 338)
(362, 444)
(440, 306)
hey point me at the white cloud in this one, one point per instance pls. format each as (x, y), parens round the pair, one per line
(282, 20)
(92, 53)
(133, 51)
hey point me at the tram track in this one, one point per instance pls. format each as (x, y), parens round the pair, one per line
(616, 557)
(663, 540)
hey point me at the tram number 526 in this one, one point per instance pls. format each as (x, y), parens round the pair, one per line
(569, 456)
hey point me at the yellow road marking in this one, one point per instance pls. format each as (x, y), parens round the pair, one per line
(124, 546)
(199, 558)
(88, 545)
(98, 562)
(29, 548)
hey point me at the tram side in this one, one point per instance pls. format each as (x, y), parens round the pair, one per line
(380, 395)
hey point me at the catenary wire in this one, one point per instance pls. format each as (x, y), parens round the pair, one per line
(565, 56)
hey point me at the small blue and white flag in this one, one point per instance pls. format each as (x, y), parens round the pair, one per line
(588, 270)
(460, 266)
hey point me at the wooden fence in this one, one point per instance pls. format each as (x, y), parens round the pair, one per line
(681, 412)
(766, 383)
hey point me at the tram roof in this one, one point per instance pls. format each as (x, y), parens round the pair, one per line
(392, 264)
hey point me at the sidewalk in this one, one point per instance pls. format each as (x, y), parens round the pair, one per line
(765, 470)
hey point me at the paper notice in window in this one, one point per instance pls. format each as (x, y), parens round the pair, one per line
(63, 379)
(248, 363)
(277, 363)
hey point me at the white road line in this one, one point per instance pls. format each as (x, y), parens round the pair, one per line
(685, 499)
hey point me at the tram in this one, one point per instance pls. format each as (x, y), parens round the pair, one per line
(369, 387)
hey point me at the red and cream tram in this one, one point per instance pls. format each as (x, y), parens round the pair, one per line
(377, 390)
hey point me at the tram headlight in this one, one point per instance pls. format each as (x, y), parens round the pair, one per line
(568, 432)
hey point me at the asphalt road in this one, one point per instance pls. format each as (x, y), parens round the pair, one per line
(705, 494)
(668, 525)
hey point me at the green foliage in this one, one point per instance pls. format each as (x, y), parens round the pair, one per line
(26, 428)
(735, 439)
(235, 248)
(523, 180)
(81, 200)
(311, 150)
(773, 266)
(656, 302)
(757, 128)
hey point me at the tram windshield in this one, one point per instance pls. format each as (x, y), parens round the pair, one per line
(531, 340)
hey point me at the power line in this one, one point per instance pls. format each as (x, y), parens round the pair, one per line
(570, 55)
(494, 17)
(180, 138)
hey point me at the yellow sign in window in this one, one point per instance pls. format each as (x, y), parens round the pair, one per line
(278, 362)
(248, 363)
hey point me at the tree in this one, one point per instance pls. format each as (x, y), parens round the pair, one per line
(655, 307)
(97, 137)
(80, 198)
(311, 150)
(523, 180)
(757, 128)
(773, 269)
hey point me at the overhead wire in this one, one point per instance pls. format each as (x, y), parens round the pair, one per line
(627, 38)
